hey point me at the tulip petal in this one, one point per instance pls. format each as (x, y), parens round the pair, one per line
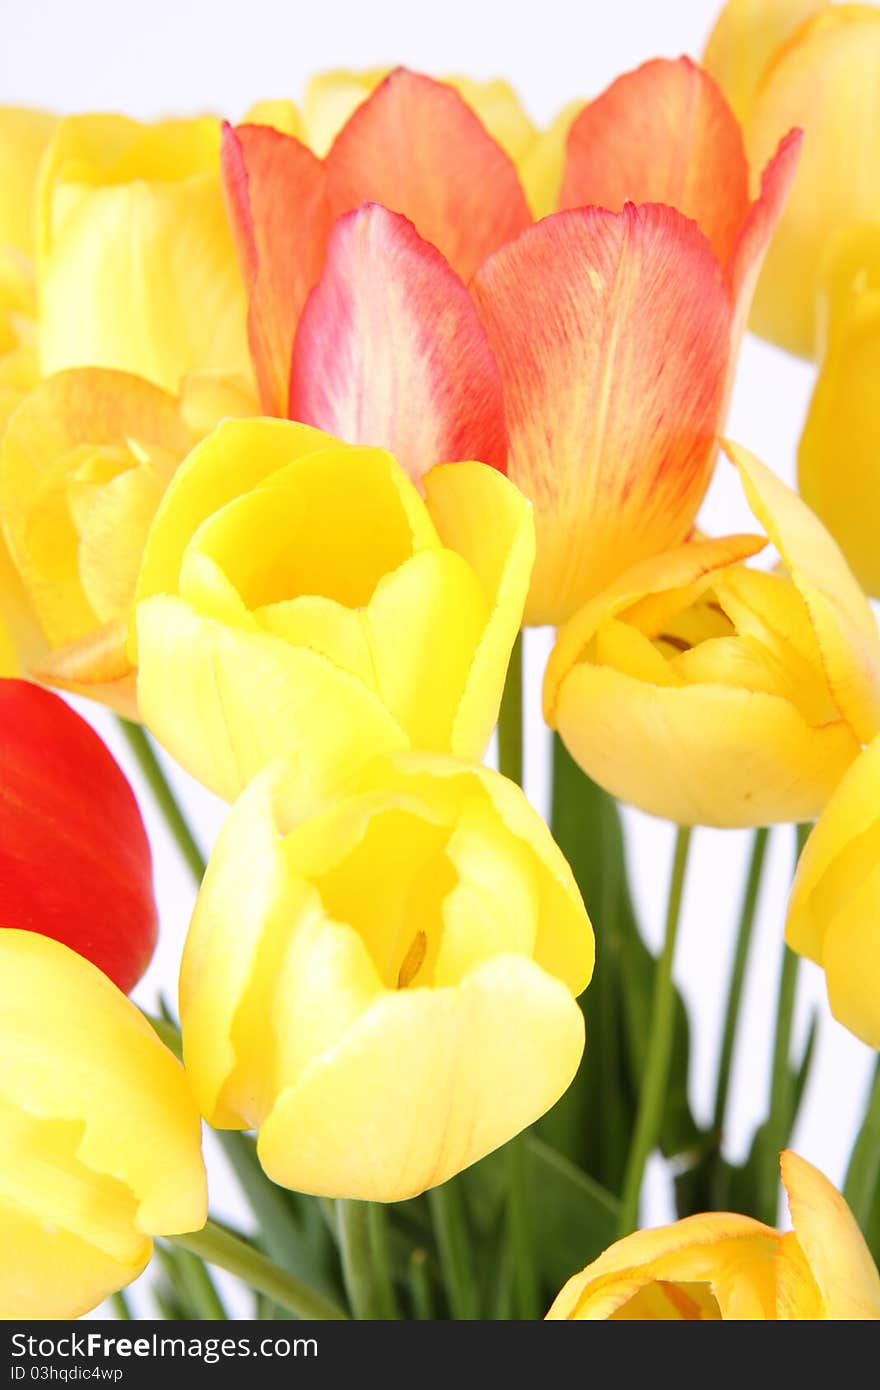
(753, 238)
(417, 148)
(460, 497)
(823, 80)
(97, 666)
(838, 469)
(835, 899)
(478, 1062)
(711, 1249)
(662, 134)
(137, 270)
(845, 627)
(226, 701)
(835, 1249)
(59, 425)
(58, 1073)
(389, 350)
(24, 135)
(616, 328)
(744, 41)
(75, 867)
(276, 197)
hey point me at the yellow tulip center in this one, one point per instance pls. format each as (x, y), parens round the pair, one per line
(664, 1301)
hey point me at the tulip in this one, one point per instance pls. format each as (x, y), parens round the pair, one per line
(83, 464)
(100, 1137)
(817, 66)
(331, 99)
(839, 454)
(299, 597)
(591, 356)
(74, 856)
(834, 911)
(136, 265)
(722, 1266)
(711, 693)
(384, 987)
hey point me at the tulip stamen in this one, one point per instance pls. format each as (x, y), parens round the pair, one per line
(412, 961)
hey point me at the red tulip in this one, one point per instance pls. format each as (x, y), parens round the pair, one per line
(74, 856)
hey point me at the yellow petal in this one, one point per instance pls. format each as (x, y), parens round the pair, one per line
(835, 901)
(96, 666)
(60, 425)
(279, 114)
(24, 135)
(540, 168)
(487, 520)
(471, 1066)
(823, 80)
(838, 469)
(730, 1256)
(845, 627)
(330, 99)
(835, 1250)
(137, 269)
(744, 42)
(797, 1295)
(104, 1135)
(502, 113)
(226, 701)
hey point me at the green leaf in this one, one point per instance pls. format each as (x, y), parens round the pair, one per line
(575, 1217)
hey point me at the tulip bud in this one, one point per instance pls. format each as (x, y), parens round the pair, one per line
(385, 988)
(725, 1267)
(100, 1138)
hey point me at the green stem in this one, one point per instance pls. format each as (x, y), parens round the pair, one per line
(420, 1286)
(781, 1098)
(612, 1132)
(119, 1303)
(199, 1289)
(656, 1073)
(737, 978)
(139, 742)
(451, 1235)
(377, 1221)
(525, 1280)
(355, 1250)
(220, 1248)
(863, 1173)
(510, 718)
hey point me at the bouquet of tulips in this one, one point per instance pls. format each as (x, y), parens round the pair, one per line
(302, 421)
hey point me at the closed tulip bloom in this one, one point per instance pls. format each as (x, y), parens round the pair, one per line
(839, 453)
(83, 464)
(100, 1137)
(712, 693)
(834, 911)
(816, 66)
(385, 987)
(731, 1268)
(298, 596)
(74, 856)
(136, 265)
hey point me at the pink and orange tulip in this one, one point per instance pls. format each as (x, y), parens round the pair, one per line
(588, 356)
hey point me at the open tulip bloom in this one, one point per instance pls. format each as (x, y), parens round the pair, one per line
(302, 420)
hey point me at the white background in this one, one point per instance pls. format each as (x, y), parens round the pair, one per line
(185, 56)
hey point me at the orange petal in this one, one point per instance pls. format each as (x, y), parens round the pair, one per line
(611, 332)
(390, 351)
(759, 226)
(97, 666)
(662, 134)
(417, 148)
(276, 199)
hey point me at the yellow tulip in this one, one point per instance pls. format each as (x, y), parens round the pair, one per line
(24, 135)
(785, 63)
(726, 1267)
(384, 988)
(332, 97)
(100, 1137)
(136, 266)
(298, 596)
(83, 464)
(712, 693)
(834, 912)
(839, 456)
